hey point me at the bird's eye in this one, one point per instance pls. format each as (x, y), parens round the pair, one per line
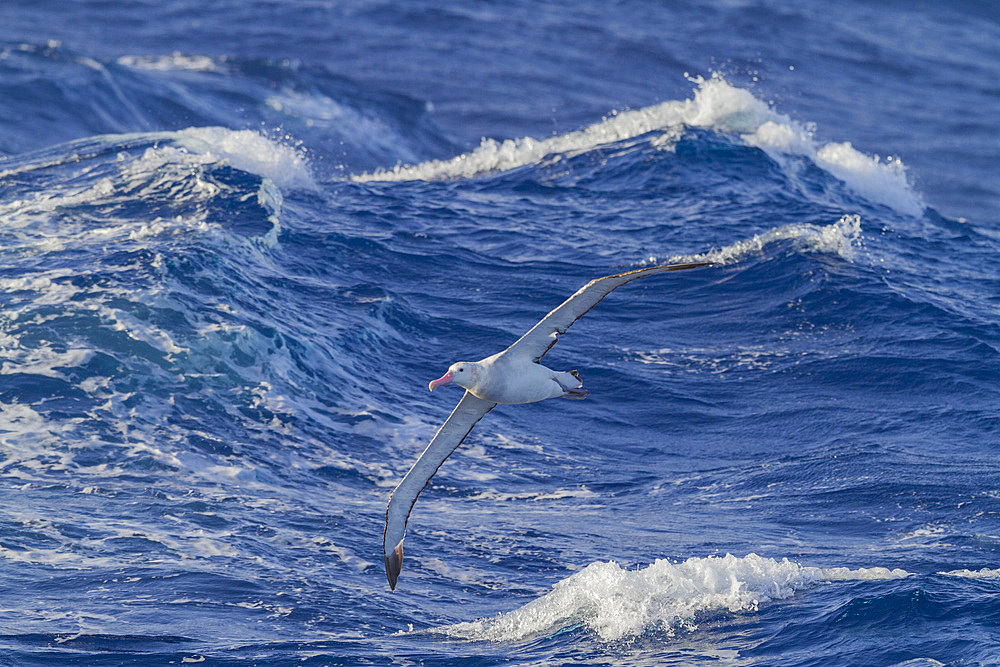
(461, 370)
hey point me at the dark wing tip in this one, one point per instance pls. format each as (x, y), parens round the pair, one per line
(393, 565)
(691, 265)
(638, 273)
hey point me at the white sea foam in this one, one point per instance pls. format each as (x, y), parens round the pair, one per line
(930, 536)
(44, 360)
(882, 182)
(178, 543)
(985, 573)
(176, 61)
(558, 494)
(278, 160)
(615, 603)
(860, 574)
(840, 238)
(58, 559)
(26, 442)
(492, 156)
(250, 151)
(717, 360)
(117, 319)
(717, 106)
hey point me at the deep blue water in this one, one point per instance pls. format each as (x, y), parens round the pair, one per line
(237, 239)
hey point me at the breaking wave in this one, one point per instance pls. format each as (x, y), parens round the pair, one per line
(840, 238)
(716, 105)
(614, 603)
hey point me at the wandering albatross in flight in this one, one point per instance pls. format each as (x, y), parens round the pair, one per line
(515, 375)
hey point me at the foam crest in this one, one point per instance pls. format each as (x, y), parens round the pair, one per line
(877, 181)
(176, 61)
(558, 494)
(161, 166)
(248, 151)
(860, 574)
(492, 156)
(616, 603)
(882, 182)
(840, 238)
(716, 106)
(985, 573)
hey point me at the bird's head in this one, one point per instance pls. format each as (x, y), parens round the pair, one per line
(462, 373)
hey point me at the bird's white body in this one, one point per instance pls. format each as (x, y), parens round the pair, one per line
(512, 376)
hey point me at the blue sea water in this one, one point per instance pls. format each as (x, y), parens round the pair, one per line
(237, 239)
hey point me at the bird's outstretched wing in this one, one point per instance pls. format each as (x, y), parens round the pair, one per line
(451, 434)
(545, 334)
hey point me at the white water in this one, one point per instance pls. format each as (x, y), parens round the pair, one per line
(840, 238)
(248, 151)
(985, 573)
(615, 603)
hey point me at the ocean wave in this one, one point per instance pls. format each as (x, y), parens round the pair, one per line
(614, 602)
(149, 213)
(717, 105)
(84, 195)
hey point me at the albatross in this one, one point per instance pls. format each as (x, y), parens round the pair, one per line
(512, 376)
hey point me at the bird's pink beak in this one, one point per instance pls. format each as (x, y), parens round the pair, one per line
(442, 381)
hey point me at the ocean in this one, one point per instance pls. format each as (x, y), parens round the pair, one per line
(238, 239)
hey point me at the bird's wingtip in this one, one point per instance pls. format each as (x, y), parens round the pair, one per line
(393, 565)
(690, 265)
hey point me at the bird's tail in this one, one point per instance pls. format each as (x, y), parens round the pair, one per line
(572, 385)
